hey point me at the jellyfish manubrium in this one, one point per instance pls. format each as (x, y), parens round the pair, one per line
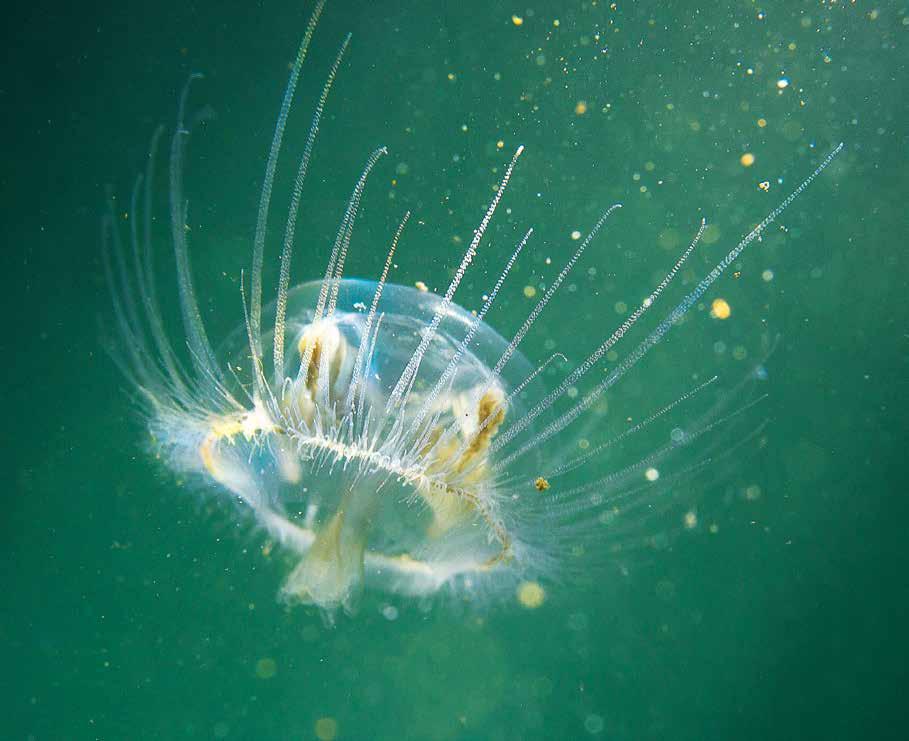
(382, 434)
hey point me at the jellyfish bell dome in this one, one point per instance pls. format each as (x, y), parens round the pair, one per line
(368, 480)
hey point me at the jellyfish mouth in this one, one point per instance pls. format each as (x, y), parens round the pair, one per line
(336, 560)
(336, 557)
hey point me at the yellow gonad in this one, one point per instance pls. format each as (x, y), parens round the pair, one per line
(227, 427)
(450, 507)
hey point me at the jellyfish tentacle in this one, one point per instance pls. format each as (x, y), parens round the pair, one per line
(581, 460)
(127, 305)
(673, 317)
(255, 310)
(145, 278)
(350, 219)
(293, 212)
(705, 426)
(358, 369)
(196, 337)
(367, 364)
(411, 370)
(342, 244)
(137, 371)
(336, 259)
(453, 364)
(579, 372)
(528, 323)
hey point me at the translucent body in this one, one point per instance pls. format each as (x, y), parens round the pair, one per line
(340, 489)
(390, 438)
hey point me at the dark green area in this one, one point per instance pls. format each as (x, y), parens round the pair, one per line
(135, 607)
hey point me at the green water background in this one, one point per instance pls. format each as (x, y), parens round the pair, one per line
(133, 607)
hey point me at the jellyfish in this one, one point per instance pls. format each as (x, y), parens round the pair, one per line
(383, 435)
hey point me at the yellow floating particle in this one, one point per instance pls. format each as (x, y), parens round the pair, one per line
(500, 144)
(580, 108)
(531, 595)
(764, 185)
(326, 729)
(421, 286)
(761, 122)
(576, 235)
(691, 520)
(652, 474)
(530, 291)
(517, 20)
(720, 309)
(541, 484)
(747, 159)
(266, 668)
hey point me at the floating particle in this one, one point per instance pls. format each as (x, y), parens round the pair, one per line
(580, 108)
(594, 724)
(764, 185)
(421, 286)
(762, 123)
(531, 595)
(517, 20)
(576, 235)
(691, 519)
(651, 474)
(326, 729)
(782, 83)
(747, 159)
(767, 276)
(530, 291)
(541, 484)
(500, 144)
(720, 309)
(266, 668)
(753, 493)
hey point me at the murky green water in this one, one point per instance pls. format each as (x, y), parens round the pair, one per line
(136, 607)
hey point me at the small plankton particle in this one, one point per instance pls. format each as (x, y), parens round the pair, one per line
(531, 595)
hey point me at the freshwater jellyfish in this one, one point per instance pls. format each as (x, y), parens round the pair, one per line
(384, 435)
